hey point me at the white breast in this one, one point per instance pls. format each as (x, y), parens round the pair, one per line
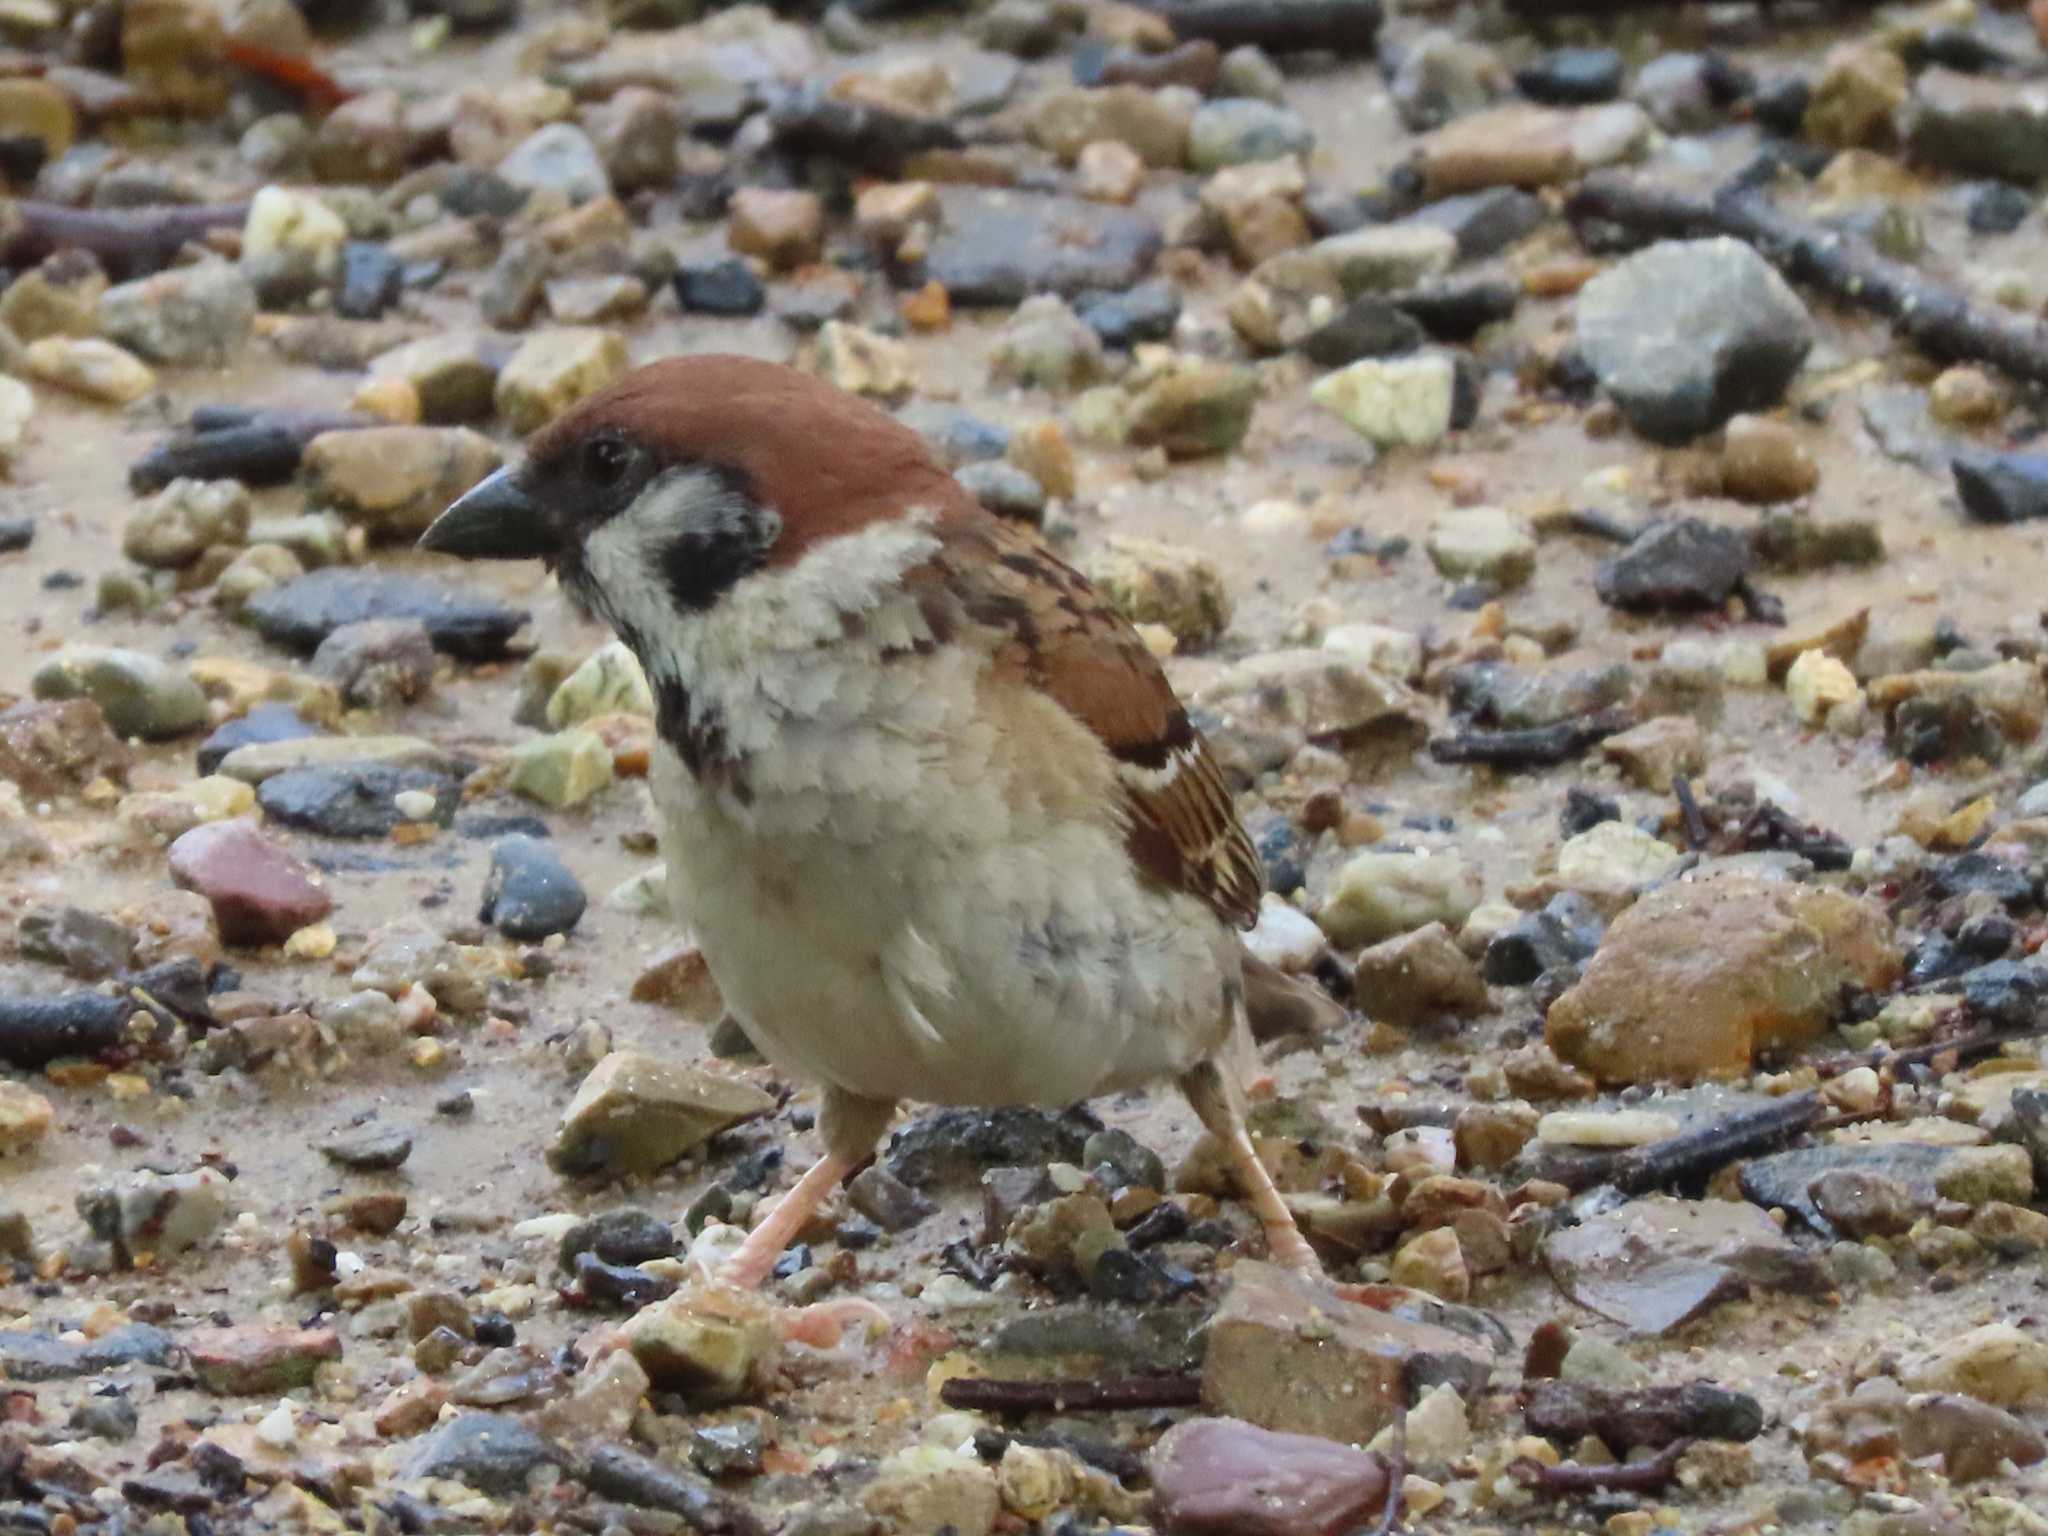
(921, 891)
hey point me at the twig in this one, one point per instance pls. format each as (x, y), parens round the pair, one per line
(1534, 747)
(1621, 1477)
(1938, 319)
(1596, 524)
(1697, 1154)
(129, 242)
(303, 78)
(256, 448)
(1279, 26)
(1962, 1047)
(1539, 9)
(1689, 809)
(1111, 1394)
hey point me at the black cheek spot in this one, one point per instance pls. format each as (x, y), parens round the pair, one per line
(729, 541)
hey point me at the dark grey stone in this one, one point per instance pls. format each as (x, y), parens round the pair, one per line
(1572, 77)
(266, 722)
(949, 1148)
(300, 613)
(719, 285)
(1566, 932)
(2003, 487)
(1682, 565)
(1785, 1179)
(371, 280)
(352, 799)
(1147, 312)
(530, 893)
(625, 1236)
(86, 944)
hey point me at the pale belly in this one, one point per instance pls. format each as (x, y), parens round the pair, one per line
(972, 970)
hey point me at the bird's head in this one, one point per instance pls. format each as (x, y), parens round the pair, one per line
(655, 497)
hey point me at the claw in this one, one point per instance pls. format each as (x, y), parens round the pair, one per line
(824, 1325)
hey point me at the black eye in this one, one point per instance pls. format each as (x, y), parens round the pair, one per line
(606, 460)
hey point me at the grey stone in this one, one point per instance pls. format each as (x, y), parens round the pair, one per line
(1979, 126)
(558, 158)
(1688, 333)
(1242, 130)
(998, 248)
(138, 694)
(84, 943)
(493, 1452)
(1682, 565)
(352, 799)
(378, 663)
(199, 315)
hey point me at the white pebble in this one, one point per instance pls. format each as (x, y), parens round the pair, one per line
(414, 804)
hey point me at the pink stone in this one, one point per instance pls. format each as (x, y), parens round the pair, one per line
(1224, 1477)
(261, 894)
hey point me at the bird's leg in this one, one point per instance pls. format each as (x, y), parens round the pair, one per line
(1217, 1105)
(755, 1259)
(850, 1127)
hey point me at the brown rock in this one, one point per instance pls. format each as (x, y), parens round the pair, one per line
(1880, 1419)
(367, 139)
(393, 481)
(636, 1113)
(1861, 1203)
(1765, 461)
(1433, 1262)
(36, 109)
(1260, 208)
(1067, 121)
(1698, 976)
(174, 925)
(1861, 86)
(1528, 146)
(1965, 396)
(2010, 693)
(58, 746)
(1651, 754)
(171, 49)
(250, 1360)
(1627, 1417)
(1419, 978)
(260, 893)
(1659, 1262)
(785, 229)
(1490, 1135)
(1109, 171)
(1224, 1477)
(1287, 1353)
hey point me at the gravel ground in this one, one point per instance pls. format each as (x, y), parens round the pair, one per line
(1628, 652)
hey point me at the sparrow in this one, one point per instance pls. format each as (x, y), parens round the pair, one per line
(931, 809)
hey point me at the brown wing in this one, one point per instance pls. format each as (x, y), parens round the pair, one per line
(1181, 826)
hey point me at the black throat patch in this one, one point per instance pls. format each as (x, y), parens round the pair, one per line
(697, 736)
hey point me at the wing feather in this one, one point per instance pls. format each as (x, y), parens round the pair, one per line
(1181, 827)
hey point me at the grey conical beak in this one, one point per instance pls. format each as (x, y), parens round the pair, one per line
(498, 520)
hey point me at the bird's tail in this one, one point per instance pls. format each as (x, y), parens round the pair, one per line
(1279, 1004)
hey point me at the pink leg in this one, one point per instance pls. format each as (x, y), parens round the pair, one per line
(755, 1259)
(1216, 1105)
(849, 1127)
